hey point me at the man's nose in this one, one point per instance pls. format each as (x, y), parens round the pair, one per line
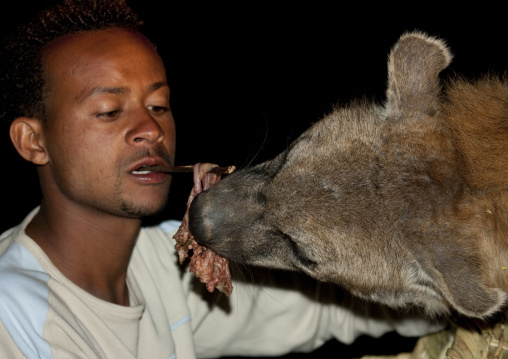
(144, 128)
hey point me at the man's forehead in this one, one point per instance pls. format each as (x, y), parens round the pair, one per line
(97, 40)
(84, 49)
(102, 60)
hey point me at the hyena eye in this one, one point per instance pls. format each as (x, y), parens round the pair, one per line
(299, 256)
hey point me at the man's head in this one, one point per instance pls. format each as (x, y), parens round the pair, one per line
(21, 72)
(103, 115)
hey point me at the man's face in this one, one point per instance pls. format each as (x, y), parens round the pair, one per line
(108, 116)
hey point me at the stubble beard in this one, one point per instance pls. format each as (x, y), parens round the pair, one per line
(138, 207)
(130, 209)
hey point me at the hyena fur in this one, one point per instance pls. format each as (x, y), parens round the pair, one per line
(404, 204)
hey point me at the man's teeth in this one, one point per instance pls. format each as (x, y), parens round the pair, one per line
(142, 170)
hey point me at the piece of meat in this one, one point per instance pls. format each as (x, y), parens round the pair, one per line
(209, 267)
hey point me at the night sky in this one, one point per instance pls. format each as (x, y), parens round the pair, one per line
(247, 79)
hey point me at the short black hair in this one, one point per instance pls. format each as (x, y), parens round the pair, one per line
(22, 53)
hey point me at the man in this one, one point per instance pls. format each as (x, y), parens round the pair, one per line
(88, 98)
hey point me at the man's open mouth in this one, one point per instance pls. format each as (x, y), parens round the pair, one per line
(148, 169)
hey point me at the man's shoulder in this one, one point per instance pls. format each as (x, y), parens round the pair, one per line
(20, 272)
(163, 231)
(155, 242)
(24, 295)
(170, 226)
(18, 263)
(8, 237)
(11, 235)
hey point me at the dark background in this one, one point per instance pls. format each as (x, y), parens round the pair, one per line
(247, 78)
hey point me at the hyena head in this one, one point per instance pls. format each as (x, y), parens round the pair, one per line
(370, 197)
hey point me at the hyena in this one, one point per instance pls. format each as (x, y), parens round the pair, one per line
(403, 203)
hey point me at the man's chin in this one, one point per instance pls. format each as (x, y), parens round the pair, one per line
(141, 211)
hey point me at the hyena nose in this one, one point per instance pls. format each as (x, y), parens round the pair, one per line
(201, 218)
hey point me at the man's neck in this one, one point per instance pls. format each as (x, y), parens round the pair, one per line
(91, 249)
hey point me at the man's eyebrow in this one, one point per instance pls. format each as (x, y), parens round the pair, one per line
(105, 90)
(121, 90)
(158, 85)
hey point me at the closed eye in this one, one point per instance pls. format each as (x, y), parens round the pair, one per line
(158, 110)
(110, 115)
(298, 255)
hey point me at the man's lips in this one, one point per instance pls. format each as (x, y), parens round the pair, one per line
(150, 174)
(150, 170)
(149, 164)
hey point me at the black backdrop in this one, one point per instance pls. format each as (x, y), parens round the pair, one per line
(247, 78)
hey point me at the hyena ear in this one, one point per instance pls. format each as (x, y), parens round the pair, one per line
(413, 74)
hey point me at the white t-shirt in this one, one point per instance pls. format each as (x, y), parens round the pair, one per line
(171, 315)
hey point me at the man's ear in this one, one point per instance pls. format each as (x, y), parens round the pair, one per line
(27, 135)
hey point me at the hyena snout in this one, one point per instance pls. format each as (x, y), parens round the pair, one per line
(223, 216)
(203, 219)
(214, 218)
